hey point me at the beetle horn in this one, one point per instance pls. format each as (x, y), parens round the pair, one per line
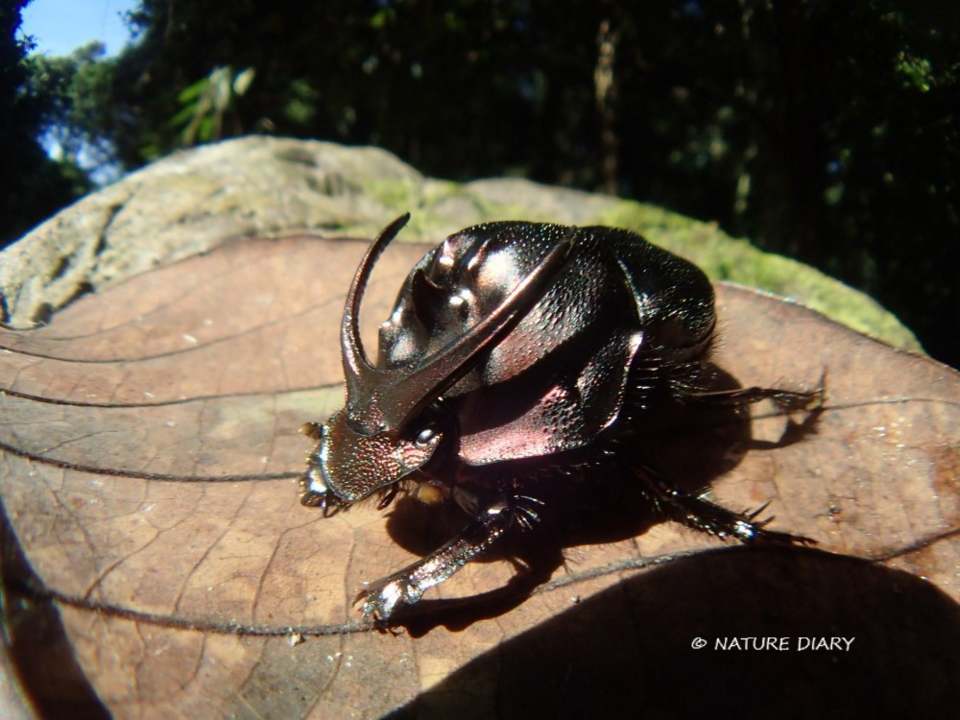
(400, 401)
(358, 372)
(379, 399)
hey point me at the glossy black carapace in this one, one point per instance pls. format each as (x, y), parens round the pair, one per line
(515, 349)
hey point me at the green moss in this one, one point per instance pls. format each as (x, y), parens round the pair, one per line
(394, 193)
(441, 207)
(736, 260)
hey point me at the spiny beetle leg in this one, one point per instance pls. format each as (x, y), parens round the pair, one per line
(700, 514)
(526, 510)
(381, 598)
(787, 400)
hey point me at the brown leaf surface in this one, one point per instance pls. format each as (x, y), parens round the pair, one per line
(158, 564)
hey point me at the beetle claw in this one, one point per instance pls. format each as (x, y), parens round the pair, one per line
(751, 515)
(378, 600)
(525, 515)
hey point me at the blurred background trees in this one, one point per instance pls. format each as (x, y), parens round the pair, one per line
(32, 186)
(828, 131)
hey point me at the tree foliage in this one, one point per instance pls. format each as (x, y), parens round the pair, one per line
(32, 186)
(828, 131)
(210, 102)
(77, 94)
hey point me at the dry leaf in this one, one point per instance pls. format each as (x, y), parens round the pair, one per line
(158, 563)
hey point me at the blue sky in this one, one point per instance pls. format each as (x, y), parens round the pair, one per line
(60, 26)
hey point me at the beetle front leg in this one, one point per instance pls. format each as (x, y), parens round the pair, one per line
(405, 587)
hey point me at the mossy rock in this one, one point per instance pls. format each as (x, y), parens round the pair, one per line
(194, 200)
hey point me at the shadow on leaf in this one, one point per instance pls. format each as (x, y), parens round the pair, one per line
(627, 652)
(38, 645)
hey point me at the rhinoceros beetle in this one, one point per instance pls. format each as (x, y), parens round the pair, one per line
(515, 348)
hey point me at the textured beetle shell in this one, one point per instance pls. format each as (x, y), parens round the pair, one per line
(363, 460)
(558, 379)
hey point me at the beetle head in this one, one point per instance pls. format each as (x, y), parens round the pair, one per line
(348, 465)
(389, 428)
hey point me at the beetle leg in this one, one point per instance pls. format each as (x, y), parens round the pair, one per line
(788, 400)
(701, 514)
(382, 597)
(783, 399)
(526, 515)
